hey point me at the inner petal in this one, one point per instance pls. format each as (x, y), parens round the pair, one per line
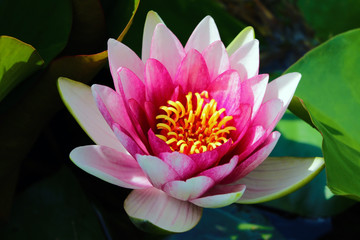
(197, 127)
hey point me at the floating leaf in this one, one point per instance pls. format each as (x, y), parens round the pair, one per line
(330, 17)
(54, 208)
(45, 24)
(314, 199)
(331, 93)
(21, 124)
(232, 222)
(18, 61)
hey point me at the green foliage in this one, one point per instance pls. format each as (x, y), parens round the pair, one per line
(189, 13)
(55, 208)
(330, 17)
(233, 222)
(314, 199)
(45, 24)
(18, 61)
(330, 92)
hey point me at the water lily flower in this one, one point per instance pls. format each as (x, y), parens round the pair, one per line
(186, 127)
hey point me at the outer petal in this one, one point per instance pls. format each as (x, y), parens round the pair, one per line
(193, 74)
(245, 36)
(166, 48)
(157, 170)
(152, 19)
(122, 56)
(158, 208)
(255, 159)
(276, 177)
(203, 35)
(283, 88)
(189, 189)
(220, 196)
(216, 58)
(110, 165)
(79, 100)
(247, 56)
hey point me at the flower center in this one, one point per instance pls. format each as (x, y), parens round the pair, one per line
(195, 128)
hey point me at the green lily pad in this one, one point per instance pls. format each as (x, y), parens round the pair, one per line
(330, 92)
(330, 17)
(232, 222)
(18, 61)
(41, 101)
(314, 199)
(45, 24)
(54, 208)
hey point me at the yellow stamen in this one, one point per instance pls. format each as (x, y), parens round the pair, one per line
(194, 129)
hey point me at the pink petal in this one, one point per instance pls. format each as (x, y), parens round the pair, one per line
(283, 88)
(269, 115)
(184, 165)
(206, 159)
(254, 160)
(157, 170)
(258, 86)
(110, 165)
(203, 35)
(128, 141)
(112, 108)
(162, 210)
(211, 158)
(193, 75)
(247, 56)
(137, 92)
(241, 122)
(120, 55)
(219, 172)
(166, 48)
(139, 115)
(79, 100)
(253, 138)
(226, 91)
(216, 59)
(246, 35)
(159, 84)
(189, 189)
(130, 86)
(152, 19)
(150, 112)
(157, 145)
(220, 196)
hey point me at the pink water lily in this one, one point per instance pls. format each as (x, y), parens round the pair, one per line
(186, 127)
